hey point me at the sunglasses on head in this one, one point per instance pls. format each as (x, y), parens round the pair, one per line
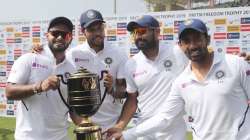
(59, 33)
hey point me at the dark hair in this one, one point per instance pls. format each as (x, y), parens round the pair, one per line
(61, 20)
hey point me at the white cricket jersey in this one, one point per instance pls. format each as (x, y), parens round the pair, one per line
(152, 80)
(109, 59)
(45, 115)
(218, 105)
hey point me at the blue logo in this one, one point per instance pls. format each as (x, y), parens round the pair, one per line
(122, 25)
(245, 20)
(233, 35)
(168, 37)
(111, 38)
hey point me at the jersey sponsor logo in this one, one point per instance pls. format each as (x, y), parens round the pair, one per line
(81, 60)
(108, 60)
(135, 74)
(36, 65)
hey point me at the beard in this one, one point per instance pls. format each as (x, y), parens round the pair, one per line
(143, 44)
(96, 41)
(197, 54)
(58, 48)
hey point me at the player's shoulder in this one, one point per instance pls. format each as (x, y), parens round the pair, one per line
(115, 50)
(115, 53)
(76, 48)
(233, 59)
(27, 56)
(131, 62)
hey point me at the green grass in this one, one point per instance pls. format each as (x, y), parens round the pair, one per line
(7, 128)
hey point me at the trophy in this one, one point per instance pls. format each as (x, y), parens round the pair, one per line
(84, 98)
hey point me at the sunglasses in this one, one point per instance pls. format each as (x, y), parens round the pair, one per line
(60, 33)
(140, 31)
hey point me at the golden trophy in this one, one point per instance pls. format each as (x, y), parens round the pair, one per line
(84, 98)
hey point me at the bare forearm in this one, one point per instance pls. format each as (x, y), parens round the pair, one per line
(18, 92)
(120, 90)
(128, 111)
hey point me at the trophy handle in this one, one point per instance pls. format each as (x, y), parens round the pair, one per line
(102, 73)
(60, 93)
(61, 78)
(105, 92)
(104, 95)
(65, 103)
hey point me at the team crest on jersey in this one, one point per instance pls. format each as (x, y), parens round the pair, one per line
(219, 74)
(168, 63)
(108, 60)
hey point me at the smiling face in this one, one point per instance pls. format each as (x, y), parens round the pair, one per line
(194, 44)
(59, 38)
(95, 34)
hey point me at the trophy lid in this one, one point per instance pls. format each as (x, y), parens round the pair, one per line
(82, 72)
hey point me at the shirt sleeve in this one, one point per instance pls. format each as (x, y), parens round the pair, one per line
(20, 71)
(181, 58)
(245, 76)
(130, 83)
(173, 107)
(69, 56)
(121, 66)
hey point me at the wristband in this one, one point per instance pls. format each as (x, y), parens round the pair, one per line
(39, 89)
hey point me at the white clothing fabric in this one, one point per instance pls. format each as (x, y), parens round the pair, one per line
(109, 59)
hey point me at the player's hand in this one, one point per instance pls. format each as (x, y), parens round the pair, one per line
(108, 82)
(52, 82)
(37, 48)
(245, 55)
(114, 134)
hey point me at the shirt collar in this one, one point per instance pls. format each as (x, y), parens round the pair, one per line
(86, 44)
(47, 52)
(217, 58)
(160, 52)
